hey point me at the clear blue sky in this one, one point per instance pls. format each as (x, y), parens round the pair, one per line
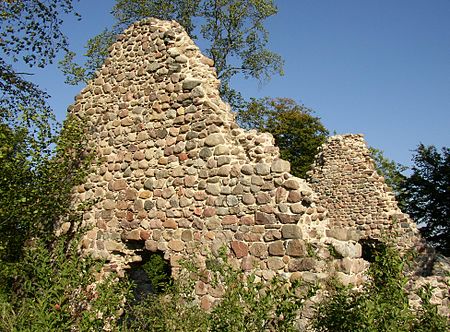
(377, 67)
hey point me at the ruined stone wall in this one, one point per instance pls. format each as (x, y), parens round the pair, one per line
(362, 206)
(355, 195)
(175, 174)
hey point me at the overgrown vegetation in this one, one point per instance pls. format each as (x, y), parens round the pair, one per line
(248, 304)
(382, 304)
(35, 177)
(42, 278)
(44, 283)
(53, 289)
(58, 294)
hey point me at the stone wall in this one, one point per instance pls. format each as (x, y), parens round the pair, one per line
(175, 174)
(362, 206)
(355, 195)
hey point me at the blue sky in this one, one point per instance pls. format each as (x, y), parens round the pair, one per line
(377, 67)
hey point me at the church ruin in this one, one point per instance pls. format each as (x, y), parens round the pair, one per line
(175, 174)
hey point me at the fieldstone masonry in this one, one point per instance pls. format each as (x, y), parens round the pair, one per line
(355, 195)
(175, 174)
(360, 205)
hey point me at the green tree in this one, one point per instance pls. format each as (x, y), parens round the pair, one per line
(15, 175)
(35, 177)
(127, 12)
(426, 193)
(42, 278)
(30, 33)
(31, 30)
(233, 30)
(297, 132)
(35, 194)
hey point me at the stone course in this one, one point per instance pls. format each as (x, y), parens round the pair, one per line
(175, 174)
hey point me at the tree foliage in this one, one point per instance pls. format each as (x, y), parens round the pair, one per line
(30, 33)
(35, 190)
(29, 166)
(238, 39)
(127, 12)
(297, 132)
(41, 277)
(426, 193)
(233, 30)
(31, 30)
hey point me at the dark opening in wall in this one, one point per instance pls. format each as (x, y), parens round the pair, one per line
(151, 275)
(371, 248)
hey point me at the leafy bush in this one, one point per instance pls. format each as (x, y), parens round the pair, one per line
(36, 184)
(158, 273)
(247, 304)
(56, 292)
(381, 305)
(44, 284)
